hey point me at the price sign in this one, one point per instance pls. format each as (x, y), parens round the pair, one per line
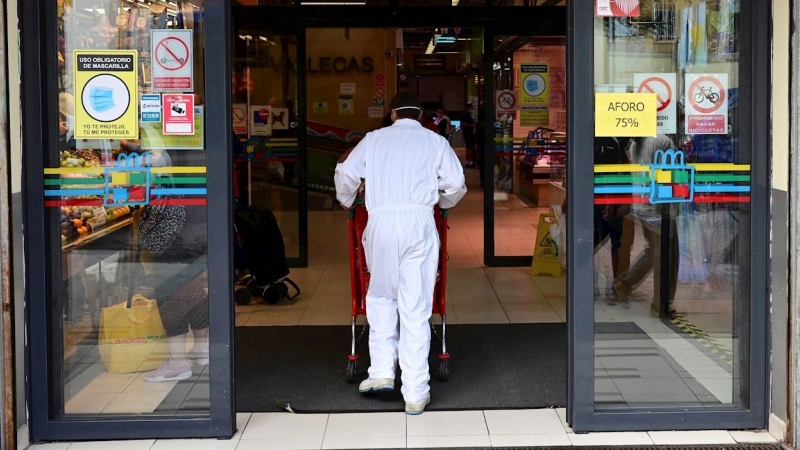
(625, 115)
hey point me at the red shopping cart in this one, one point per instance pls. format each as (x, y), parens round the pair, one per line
(359, 281)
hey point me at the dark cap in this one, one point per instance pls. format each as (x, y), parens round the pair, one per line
(404, 100)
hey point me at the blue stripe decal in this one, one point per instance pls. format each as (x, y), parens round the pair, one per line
(622, 190)
(719, 188)
(72, 192)
(182, 191)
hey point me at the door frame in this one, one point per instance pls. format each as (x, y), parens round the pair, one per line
(295, 20)
(755, 96)
(42, 264)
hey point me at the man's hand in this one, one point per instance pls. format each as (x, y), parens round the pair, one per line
(63, 128)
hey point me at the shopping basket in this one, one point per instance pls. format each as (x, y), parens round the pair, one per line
(359, 282)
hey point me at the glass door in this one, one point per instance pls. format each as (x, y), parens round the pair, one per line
(669, 330)
(267, 116)
(130, 197)
(525, 145)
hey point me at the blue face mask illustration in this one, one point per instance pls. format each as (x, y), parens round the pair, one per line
(531, 85)
(101, 99)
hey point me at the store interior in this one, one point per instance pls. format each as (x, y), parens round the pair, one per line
(350, 75)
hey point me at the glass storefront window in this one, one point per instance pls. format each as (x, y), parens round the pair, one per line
(672, 212)
(126, 196)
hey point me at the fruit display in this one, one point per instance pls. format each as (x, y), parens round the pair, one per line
(79, 158)
(79, 221)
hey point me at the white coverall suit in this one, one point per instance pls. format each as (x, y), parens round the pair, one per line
(407, 170)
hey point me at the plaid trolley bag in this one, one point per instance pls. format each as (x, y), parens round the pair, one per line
(263, 253)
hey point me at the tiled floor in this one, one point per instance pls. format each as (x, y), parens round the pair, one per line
(544, 427)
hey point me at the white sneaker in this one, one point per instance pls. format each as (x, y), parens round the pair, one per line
(376, 385)
(169, 371)
(201, 358)
(415, 409)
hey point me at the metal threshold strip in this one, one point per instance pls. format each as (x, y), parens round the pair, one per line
(651, 447)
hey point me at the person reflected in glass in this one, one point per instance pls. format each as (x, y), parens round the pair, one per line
(609, 220)
(643, 151)
(183, 296)
(468, 131)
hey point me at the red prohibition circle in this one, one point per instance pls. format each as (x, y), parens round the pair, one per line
(644, 86)
(163, 45)
(695, 86)
(238, 115)
(508, 95)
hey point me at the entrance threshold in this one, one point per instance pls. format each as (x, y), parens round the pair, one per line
(541, 429)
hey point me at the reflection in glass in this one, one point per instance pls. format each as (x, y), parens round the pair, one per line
(131, 215)
(530, 139)
(672, 214)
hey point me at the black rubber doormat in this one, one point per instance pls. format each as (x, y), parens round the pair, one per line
(491, 367)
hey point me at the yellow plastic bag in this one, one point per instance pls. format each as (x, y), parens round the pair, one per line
(130, 337)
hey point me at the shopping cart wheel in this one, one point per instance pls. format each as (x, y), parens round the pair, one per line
(444, 371)
(242, 296)
(352, 371)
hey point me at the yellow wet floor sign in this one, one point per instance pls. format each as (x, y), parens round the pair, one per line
(545, 254)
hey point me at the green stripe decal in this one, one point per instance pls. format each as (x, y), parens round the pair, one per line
(721, 177)
(621, 179)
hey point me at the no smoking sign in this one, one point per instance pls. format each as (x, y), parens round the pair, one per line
(171, 60)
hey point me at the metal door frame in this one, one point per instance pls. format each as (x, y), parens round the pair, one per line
(755, 96)
(39, 109)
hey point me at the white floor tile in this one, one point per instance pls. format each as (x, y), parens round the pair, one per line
(448, 441)
(241, 423)
(195, 444)
(532, 421)
(530, 440)
(691, 437)
(366, 425)
(753, 437)
(356, 441)
(116, 445)
(296, 443)
(278, 426)
(447, 423)
(610, 439)
(562, 415)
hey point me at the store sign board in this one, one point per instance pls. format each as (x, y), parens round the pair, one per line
(625, 115)
(320, 107)
(617, 8)
(239, 114)
(430, 62)
(346, 107)
(177, 114)
(707, 103)
(150, 105)
(171, 60)
(106, 83)
(153, 137)
(376, 112)
(664, 86)
(260, 120)
(534, 95)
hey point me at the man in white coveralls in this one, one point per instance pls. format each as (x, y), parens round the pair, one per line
(407, 170)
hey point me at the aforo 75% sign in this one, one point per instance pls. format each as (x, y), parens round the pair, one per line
(626, 115)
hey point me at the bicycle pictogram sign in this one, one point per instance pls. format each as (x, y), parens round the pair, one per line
(707, 94)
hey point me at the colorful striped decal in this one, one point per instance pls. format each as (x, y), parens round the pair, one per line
(616, 184)
(273, 150)
(125, 186)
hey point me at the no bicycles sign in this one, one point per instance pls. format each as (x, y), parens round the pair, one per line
(707, 103)
(171, 60)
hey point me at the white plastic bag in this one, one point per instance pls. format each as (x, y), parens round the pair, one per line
(558, 234)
